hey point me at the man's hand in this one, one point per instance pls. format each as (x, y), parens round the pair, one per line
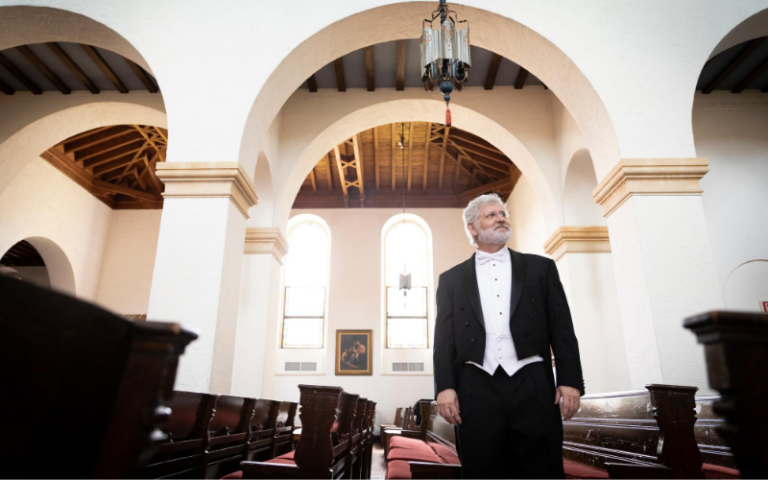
(569, 400)
(448, 406)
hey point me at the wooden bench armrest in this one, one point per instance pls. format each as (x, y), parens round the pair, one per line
(434, 470)
(628, 470)
(268, 470)
(411, 434)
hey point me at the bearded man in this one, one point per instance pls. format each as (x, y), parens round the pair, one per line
(498, 314)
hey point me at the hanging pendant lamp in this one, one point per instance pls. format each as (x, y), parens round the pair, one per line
(445, 54)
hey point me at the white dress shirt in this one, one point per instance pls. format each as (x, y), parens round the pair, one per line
(494, 281)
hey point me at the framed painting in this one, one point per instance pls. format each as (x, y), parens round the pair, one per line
(353, 352)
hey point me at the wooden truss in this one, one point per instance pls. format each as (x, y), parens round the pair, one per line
(116, 164)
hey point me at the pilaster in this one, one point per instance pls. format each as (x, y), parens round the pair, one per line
(266, 240)
(577, 240)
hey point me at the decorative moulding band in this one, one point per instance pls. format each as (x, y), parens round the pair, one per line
(208, 180)
(266, 240)
(649, 176)
(577, 240)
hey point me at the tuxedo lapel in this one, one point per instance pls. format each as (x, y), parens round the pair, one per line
(519, 269)
(470, 286)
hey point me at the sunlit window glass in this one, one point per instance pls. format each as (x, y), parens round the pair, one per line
(306, 279)
(406, 250)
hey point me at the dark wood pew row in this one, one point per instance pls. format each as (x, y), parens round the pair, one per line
(209, 435)
(736, 352)
(75, 368)
(407, 422)
(336, 439)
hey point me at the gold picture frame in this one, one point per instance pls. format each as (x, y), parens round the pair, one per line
(354, 355)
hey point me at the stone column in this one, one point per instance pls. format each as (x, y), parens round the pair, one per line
(197, 267)
(583, 256)
(257, 320)
(663, 264)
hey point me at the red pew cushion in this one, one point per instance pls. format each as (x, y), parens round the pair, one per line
(233, 476)
(448, 455)
(398, 469)
(579, 470)
(289, 455)
(411, 443)
(281, 461)
(408, 454)
(716, 471)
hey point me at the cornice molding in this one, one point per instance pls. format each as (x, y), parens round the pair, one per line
(649, 176)
(266, 240)
(577, 240)
(208, 180)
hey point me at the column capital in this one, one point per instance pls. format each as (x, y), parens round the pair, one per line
(649, 176)
(577, 240)
(208, 180)
(266, 240)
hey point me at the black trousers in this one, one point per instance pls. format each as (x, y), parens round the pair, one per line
(511, 426)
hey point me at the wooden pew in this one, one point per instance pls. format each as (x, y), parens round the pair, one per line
(736, 351)
(187, 435)
(396, 423)
(357, 449)
(370, 415)
(227, 435)
(96, 378)
(408, 423)
(262, 430)
(284, 426)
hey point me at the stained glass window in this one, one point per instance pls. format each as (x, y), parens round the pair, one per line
(306, 286)
(406, 250)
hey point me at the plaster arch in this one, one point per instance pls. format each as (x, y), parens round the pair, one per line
(747, 286)
(755, 26)
(34, 126)
(263, 213)
(518, 43)
(411, 110)
(22, 25)
(60, 272)
(579, 207)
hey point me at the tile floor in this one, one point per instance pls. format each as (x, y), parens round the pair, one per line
(378, 464)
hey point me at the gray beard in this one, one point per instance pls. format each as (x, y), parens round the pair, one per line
(493, 237)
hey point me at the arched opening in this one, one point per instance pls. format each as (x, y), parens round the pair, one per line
(41, 262)
(579, 207)
(519, 44)
(730, 118)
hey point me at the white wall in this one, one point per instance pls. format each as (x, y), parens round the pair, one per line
(43, 202)
(732, 132)
(529, 231)
(129, 259)
(355, 302)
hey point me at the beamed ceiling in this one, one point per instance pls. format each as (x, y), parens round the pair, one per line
(116, 164)
(437, 167)
(67, 67)
(23, 254)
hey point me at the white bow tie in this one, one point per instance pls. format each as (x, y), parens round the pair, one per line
(485, 257)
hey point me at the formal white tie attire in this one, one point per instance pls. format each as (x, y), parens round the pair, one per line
(494, 282)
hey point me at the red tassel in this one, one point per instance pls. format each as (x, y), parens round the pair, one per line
(447, 117)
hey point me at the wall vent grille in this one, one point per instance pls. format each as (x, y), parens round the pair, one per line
(300, 366)
(407, 367)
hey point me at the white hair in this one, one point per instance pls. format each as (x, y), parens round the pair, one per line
(471, 214)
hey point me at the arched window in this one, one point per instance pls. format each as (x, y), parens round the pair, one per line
(306, 283)
(407, 249)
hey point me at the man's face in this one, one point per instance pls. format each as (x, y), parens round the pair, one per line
(493, 225)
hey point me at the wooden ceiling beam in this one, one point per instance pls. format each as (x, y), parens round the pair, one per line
(376, 163)
(493, 69)
(456, 136)
(342, 177)
(110, 188)
(148, 132)
(733, 65)
(358, 162)
(400, 66)
(313, 180)
(126, 167)
(43, 68)
(104, 67)
(312, 84)
(442, 160)
(143, 76)
(329, 176)
(115, 154)
(151, 166)
(751, 77)
(83, 155)
(95, 137)
(491, 162)
(370, 79)
(6, 89)
(338, 67)
(522, 76)
(73, 67)
(410, 155)
(13, 70)
(502, 185)
(426, 157)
